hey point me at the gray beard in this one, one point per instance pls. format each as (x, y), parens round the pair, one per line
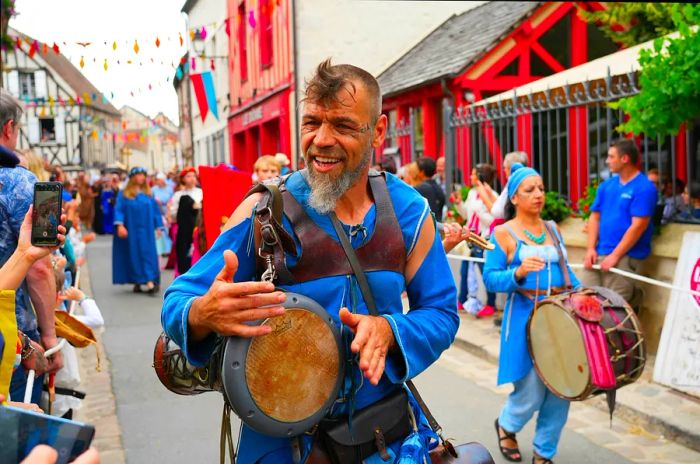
(325, 190)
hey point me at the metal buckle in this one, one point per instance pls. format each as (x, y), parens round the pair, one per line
(269, 235)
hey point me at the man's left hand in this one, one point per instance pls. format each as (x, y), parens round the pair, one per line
(610, 261)
(373, 339)
(56, 359)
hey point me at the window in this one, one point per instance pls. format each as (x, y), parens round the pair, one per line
(27, 85)
(48, 130)
(266, 50)
(242, 46)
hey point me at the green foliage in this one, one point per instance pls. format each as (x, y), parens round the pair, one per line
(586, 201)
(669, 80)
(556, 208)
(631, 23)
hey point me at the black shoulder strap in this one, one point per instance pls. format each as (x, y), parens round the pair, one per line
(372, 307)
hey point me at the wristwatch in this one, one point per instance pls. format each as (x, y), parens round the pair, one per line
(27, 346)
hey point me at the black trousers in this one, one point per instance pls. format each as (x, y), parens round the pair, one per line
(183, 243)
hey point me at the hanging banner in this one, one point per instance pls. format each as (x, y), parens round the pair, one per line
(208, 81)
(200, 94)
(678, 358)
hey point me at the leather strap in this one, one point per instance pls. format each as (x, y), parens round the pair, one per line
(557, 245)
(372, 307)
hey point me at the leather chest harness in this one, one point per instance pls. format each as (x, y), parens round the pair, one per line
(321, 255)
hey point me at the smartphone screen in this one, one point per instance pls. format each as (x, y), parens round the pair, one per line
(21, 430)
(47, 213)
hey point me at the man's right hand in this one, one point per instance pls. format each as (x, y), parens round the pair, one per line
(227, 305)
(121, 231)
(590, 259)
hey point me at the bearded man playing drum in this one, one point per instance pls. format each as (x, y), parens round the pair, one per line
(524, 264)
(341, 125)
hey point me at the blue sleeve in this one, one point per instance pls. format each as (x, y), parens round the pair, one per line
(644, 203)
(497, 276)
(195, 283)
(599, 198)
(430, 326)
(21, 199)
(119, 209)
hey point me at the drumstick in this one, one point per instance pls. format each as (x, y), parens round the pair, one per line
(647, 280)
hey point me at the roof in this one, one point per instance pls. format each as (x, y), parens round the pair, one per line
(454, 45)
(187, 7)
(618, 63)
(73, 77)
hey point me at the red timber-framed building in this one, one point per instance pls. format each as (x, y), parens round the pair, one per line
(483, 52)
(261, 79)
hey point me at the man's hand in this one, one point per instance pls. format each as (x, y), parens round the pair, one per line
(590, 259)
(44, 454)
(373, 339)
(227, 305)
(608, 262)
(56, 359)
(121, 231)
(453, 234)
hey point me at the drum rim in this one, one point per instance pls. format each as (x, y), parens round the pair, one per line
(236, 391)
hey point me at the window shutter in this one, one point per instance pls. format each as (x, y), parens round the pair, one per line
(60, 130)
(34, 130)
(13, 83)
(40, 89)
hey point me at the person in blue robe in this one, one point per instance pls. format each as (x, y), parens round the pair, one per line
(338, 138)
(137, 219)
(525, 259)
(108, 199)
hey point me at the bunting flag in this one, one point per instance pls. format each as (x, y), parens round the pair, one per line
(203, 85)
(210, 91)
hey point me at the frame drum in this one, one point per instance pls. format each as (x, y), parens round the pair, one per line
(283, 383)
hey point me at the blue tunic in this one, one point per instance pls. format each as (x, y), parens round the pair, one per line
(106, 199)
(499, 276)
(421, 334)
(134, 258)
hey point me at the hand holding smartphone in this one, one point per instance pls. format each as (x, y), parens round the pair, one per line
(22, 430)
(46, 215)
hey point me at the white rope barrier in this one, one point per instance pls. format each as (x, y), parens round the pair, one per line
(614, 270)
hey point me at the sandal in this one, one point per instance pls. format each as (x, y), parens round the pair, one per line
(507, 453)
(536, 456)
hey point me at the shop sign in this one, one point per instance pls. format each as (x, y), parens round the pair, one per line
(252, 115)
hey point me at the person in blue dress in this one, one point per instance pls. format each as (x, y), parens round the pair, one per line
(340, 128)
(524, 264)
(108, 200)
(137, 220)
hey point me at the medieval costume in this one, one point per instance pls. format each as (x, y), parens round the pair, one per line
(421, 335)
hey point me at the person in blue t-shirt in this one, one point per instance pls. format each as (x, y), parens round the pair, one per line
(622, 239)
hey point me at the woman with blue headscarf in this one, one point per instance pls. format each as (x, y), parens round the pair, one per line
(524, 264)
(137, 220)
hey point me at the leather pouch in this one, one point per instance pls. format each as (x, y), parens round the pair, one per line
(373, 429)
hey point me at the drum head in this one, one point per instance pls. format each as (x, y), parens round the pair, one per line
(557, 350)
(283, 383)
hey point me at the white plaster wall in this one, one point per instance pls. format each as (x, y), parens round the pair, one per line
(216, 44)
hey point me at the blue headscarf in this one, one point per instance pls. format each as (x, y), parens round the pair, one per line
(137, 170)
(518, 173)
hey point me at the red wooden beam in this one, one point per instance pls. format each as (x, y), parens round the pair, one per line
(548, 59)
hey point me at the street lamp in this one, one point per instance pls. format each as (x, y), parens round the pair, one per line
(198, 43)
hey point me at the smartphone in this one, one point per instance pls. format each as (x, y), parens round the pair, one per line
(47, 213)
(21, 430)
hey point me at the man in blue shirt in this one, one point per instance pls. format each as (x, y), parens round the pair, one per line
(16, 195)
(622, 239)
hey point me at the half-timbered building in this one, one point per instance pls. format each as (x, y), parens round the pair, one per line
(66, 119)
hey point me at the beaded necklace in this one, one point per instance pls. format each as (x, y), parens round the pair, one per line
(538, 239)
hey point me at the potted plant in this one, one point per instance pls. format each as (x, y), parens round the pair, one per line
(456, 197)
